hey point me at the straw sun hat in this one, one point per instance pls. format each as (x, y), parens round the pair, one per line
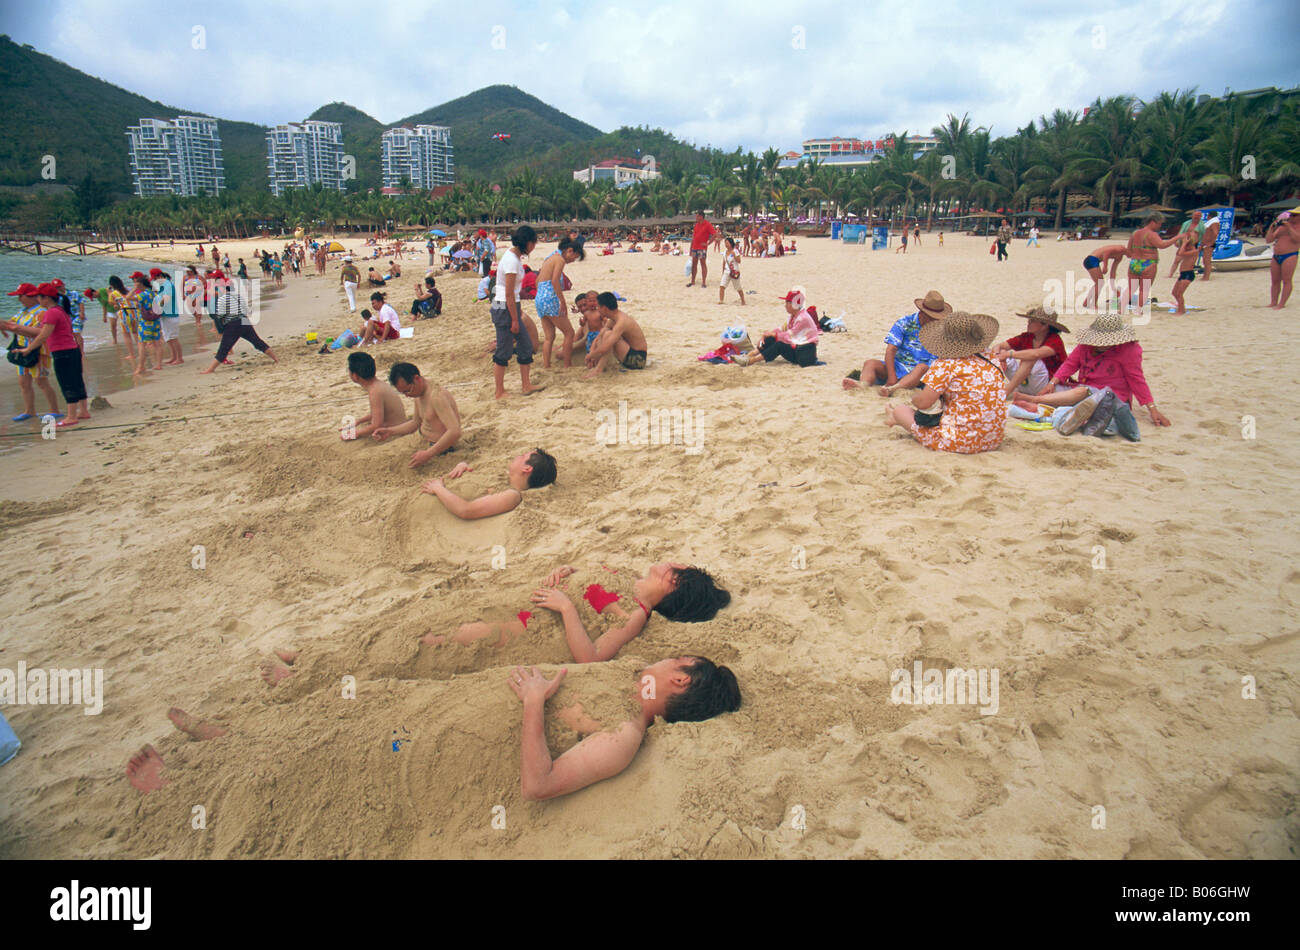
(1044, 315)
(932, 304)
(958, 335)
(1107, 330)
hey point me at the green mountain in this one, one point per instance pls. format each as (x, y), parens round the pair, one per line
(626, 142)
(52, 109)
(534, 129)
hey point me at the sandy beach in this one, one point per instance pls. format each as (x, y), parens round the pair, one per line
(1159, 688)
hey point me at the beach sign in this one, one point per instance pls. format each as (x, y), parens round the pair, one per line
(854, 233)
(880, 238)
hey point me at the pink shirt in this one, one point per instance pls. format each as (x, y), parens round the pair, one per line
(61, 338)
(801, 329)
(1119, 367)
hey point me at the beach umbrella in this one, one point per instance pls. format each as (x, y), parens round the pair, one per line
(462, 254)
(1286, 204)
(436, 233)
(1087, 211)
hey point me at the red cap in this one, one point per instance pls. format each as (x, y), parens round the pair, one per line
(791, 295)
(482, 233)
(24, 290)
(90, 291)
(47, 290)
(138, 276)
(57, 283)
(155, 272)
(216, 275)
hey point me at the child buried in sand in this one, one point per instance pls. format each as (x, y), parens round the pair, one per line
(386, 407)
(676, 591)
(534, 470)
(458, 728)
(621, 340)
(436, 414)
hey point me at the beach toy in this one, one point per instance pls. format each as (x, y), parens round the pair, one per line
(311, 337)
(9, 744)
(734, 334)
(1035, 426)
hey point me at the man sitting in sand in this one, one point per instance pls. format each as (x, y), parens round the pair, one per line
(381, 325)
(386, 408)
(535, 470)
(906, 360)
(677, 689)
(436, 415)
(621, 339)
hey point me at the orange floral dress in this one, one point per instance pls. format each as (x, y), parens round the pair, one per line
(974, 406)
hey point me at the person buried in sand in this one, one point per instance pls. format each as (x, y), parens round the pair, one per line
(621, 339)
(1108, 364)
(437, 417)
(386, 407)
(677, 592)
(1032, 357)
(676, 689)
(906, 360)
(534, 470)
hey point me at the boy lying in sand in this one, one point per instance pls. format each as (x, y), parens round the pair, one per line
(620, 340)
(436, 414)
(676, 591)
(534, 470)
(386, 407)
(609, 729)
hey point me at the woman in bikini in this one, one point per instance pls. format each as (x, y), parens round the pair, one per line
(675, 591)
(552, 308)
(1284, 235)
(1144, 258)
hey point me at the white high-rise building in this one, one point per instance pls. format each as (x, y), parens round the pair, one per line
(180, 156)
(422, 154)
(299, 154)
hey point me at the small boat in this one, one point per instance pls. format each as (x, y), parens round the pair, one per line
(1238, 255)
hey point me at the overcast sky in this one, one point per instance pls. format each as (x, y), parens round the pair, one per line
(725, 73)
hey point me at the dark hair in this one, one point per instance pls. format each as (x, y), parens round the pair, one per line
(581, 296)
(543, 472)
(696, 598)
(116, 283)
(713, 690)
(365, 315)
(607, 300)
(523, 236)
(575, 244)
(431, 282)
(376, 296)
(403, 371)
(363, 364)
(731, 242)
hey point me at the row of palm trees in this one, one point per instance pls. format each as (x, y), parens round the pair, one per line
(1175, 148)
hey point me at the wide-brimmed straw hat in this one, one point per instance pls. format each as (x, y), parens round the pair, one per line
(933, 305)
(1044, 314)
(959, 334)
(1107, 330)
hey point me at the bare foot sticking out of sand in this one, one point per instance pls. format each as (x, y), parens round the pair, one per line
(273, 671)
(850, 383)
(199, 729)
(144, 771)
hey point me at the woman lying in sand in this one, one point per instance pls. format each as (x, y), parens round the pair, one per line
(534, 470)
(676, 591)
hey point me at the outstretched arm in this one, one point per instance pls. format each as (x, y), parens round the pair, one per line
(580, 644)
(486, 506)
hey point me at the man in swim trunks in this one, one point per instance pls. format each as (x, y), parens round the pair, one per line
(1144, 258)
(436, 415)
(534, 470)
(704, 233)
(1095, 264)
(621, 339)
(386, 407)
(1284, 235)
